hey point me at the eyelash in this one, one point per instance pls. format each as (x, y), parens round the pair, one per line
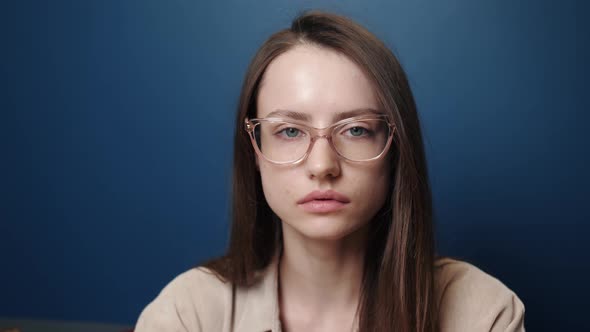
(282, 132)
(366, 131)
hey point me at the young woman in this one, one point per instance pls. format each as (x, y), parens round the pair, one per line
(332, 216)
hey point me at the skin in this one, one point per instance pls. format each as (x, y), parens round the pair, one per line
(322, 263)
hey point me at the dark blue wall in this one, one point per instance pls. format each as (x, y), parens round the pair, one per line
(117, 119)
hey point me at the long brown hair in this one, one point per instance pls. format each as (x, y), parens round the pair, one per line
(398, 287)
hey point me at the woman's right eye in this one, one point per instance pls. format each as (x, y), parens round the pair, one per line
(289, 132)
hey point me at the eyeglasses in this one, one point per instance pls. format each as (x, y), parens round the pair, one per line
(358, 139)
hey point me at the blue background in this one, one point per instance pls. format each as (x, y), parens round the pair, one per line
(116, 129)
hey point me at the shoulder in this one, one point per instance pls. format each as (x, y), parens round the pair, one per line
(196, 300)
(472, 300)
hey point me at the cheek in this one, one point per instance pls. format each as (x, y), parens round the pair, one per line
(372, 184)
(276, 182)
(267, 178)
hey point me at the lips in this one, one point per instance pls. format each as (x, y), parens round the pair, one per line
(323, 201)
(318, 195)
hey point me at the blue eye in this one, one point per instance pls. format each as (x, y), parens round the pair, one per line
(357, 131)
(290, 132)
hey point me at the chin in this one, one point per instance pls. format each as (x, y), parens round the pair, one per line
(324, 228)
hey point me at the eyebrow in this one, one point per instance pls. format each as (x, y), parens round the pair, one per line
(337, 117)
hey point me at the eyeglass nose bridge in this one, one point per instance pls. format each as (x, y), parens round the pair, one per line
(314, 138)
(328, 137)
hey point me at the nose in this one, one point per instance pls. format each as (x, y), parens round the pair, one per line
(322, 161)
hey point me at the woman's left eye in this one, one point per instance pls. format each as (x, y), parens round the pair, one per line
(357, 131)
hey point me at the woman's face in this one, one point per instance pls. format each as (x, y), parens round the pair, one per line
(320, 84)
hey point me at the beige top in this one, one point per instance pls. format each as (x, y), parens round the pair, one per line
(197, 301)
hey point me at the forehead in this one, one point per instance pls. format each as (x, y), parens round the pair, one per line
(315, 81)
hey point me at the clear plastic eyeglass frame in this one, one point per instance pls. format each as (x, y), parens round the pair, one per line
(315, 133)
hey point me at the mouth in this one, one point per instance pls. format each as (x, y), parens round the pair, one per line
(322, 206)
(323, 201)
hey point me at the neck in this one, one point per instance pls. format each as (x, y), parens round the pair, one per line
(321, 275)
